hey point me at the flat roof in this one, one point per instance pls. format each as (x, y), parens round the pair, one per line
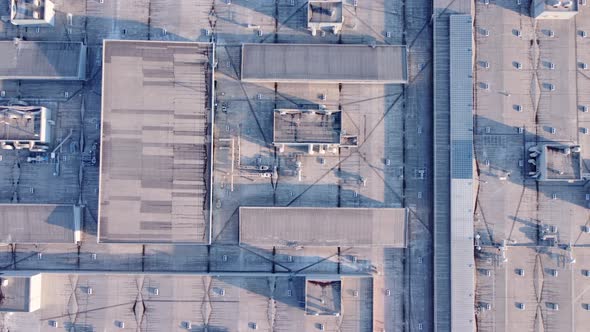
(335, 63)
(154, 151)
(39, 223)
(40, 60)
(232, 302)
(303, 226)
(295, 126)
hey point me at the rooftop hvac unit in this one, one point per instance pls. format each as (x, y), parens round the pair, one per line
(89, 290)
(568, 4)
(36, 14)
(53, 323)
(186, 325)
(4, 282)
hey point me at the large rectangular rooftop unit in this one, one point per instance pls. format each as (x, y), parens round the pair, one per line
(39, 60)
(155, 147)
(38, 13)
(325, 63)
(21, 291)
(554, 9)
(25, 127)
(40, 223)
(313, 226)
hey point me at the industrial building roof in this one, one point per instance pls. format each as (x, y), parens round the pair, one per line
(297, 226)
(294, 126)
(153, 186)
(37, 60)
(165, 302)
(324, 63)
(39, 223)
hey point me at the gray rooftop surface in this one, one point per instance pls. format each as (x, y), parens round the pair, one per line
(324, 63)
(38, 60)
(300, 226)
(37, 223)
(307, 126)
(231, 303)
(154, 142)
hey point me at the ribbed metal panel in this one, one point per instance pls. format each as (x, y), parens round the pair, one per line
(461, 98)
(442, 277)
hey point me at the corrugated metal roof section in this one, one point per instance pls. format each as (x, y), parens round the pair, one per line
(38, 223)
(36, 60)
(324, 63)
(295, 226)
(442, 237)
(153, 186)
(462, 256)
